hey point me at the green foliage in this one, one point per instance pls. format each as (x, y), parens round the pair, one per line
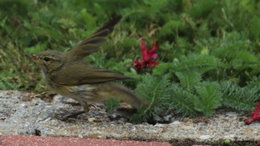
(112, 104)
(155, 91)
(255, 28)
(199, 63)
(209, 49)
(182, 101)
(171, 28)
(194, 62)
(209, 98)
(202, 8)
(188, 79)
(239, 98)
(201, 99)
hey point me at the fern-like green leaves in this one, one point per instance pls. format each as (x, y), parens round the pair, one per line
(239, 98)
(156, 92)
(188, 80)
(209, 98)
(199, 63)
(182, 101)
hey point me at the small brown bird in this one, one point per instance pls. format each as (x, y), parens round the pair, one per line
(69, 75)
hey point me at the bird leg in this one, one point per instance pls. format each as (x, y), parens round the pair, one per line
(71, 115)
(75, 114)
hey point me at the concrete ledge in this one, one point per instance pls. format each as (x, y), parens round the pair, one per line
(70, 141)
(24, 114)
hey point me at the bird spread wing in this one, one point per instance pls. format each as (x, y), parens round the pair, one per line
(93, 43)
(79, 73)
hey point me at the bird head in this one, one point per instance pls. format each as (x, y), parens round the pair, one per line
(49, 60)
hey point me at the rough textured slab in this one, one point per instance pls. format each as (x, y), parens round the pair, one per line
(19, 116)
(69, 141)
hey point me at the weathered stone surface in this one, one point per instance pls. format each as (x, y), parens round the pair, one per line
(37, 117)
(71, 141)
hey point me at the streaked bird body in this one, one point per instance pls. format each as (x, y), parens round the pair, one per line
(69, 75)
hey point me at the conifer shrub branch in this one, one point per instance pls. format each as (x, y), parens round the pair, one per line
(188, 79)
(199, 63)
(239, 98)
(155, 91)
(209, 98)
(181, 101)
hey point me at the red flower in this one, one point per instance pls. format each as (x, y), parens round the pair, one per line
(149, 57)
(256, 115)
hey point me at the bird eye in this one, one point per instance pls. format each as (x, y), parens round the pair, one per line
(46, 59)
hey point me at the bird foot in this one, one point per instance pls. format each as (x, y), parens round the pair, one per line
(69, 115)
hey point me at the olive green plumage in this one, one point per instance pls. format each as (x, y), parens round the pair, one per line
(69, 75)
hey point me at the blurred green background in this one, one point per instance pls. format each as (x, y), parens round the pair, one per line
(209, 49)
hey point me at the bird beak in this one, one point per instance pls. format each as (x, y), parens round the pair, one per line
(33, 57)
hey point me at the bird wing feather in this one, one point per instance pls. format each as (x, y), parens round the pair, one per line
(92, 43)
(81, 73)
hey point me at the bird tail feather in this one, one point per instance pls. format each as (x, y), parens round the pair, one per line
(114, 90)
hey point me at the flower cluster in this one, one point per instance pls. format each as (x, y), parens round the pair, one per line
(149, 57)
(256, 115)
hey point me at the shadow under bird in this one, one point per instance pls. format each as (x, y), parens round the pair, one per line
(67, 74)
